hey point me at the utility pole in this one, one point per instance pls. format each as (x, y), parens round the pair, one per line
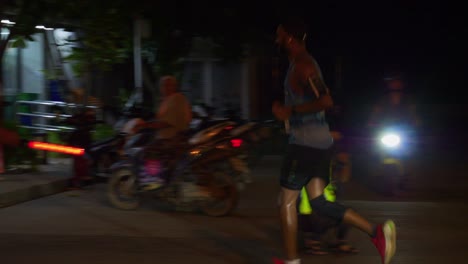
(141, 29)
(138, 76)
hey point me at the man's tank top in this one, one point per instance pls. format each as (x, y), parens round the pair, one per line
(306, 129)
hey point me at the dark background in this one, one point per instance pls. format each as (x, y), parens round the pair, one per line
(425, 40)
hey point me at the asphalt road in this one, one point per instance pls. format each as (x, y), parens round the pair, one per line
(81, 227)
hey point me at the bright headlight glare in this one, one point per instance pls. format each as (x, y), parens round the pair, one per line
(390, 140)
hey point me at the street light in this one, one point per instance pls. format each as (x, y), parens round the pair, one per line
(8, 22)
(44, 28)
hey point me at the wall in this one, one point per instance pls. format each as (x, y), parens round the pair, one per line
(64, 47)
(32, 67)
(10, 64)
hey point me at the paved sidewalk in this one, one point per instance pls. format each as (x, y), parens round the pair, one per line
(51, 179)
(86, 229)
(426, 184)
(433, 179)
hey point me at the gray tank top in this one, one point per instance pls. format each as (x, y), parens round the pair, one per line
(308, 129)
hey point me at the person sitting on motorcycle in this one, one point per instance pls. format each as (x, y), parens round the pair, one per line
(395, 108)
(173, 118)
(174, 113)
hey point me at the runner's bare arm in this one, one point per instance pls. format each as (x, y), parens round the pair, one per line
(310, 79)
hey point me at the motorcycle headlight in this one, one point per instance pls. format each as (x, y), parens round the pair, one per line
(390, 140)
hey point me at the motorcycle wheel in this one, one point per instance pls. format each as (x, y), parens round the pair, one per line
(122, 190)
(223, 195)
(103, 164)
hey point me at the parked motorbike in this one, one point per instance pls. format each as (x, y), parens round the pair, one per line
(182, 172)
(104, 153)
(247, 138)
(100, 154)
(203, 117)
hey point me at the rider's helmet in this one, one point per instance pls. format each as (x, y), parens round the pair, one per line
(395, 88)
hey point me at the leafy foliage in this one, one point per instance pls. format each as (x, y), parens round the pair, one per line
(103, 27)
(20, 155)
(103, 34)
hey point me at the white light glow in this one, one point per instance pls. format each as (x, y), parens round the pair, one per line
(391, 140)
(43, 27)
(8, 22)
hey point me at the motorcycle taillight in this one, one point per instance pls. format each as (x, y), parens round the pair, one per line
(236, 143)
(56, 148)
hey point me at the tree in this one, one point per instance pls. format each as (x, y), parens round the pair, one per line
(104, 33)
(231, 27)
(103, 28)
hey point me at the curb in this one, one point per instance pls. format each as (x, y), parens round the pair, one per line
(32, 192)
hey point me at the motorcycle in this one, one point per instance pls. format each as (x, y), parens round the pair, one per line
(203, 117)
(104, 153)
(101, 154)
(130, 115)
(184, 173)
(246, 137)
(394, 144)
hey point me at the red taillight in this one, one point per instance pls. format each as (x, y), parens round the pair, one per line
(236, 143)
(229, 127)
(56, 148)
